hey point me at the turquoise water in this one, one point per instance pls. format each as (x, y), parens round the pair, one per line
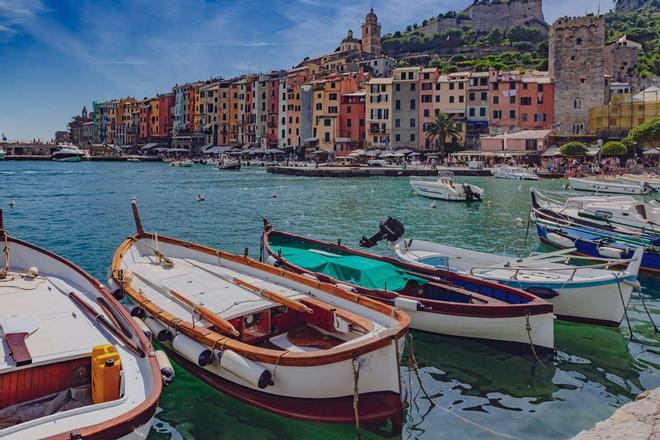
(82, 211)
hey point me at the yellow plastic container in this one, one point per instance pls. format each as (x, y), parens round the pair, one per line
(106, 373)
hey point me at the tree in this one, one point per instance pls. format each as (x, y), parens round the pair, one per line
(440, 129)
(573, 149)
(613, 148)
(646, 134)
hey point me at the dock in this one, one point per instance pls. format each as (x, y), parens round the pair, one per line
(373, 171)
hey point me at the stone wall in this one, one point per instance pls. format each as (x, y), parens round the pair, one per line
(621, 64)
(577, 64)
(487, 14)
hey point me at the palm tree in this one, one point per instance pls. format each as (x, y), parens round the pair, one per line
(442, 128)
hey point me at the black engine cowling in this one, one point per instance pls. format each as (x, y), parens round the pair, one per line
(390, 229)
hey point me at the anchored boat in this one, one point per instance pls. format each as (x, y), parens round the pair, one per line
(73, 363)
(67, 153)
(514, 173)
(608, 186)
(229, 164)
(283, 342)
(444, 188)
(592, 293)
(438, 301)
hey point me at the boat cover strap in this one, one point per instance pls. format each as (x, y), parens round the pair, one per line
(353, 269)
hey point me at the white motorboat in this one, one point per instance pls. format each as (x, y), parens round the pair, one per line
(3, 154)
(652, 182)
(73, 362)
(67, 153)
(184, 163)
(593, 293)
(280, 341)
(608, 186)
(444, 188)
(602, 211)
(514, 173)
(228, 163)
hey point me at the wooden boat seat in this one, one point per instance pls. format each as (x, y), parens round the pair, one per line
(357, 321)
(306, 336)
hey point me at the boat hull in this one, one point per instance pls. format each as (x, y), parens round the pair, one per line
(373, 407)
(606, 187)
(67, 158)
(441, 192)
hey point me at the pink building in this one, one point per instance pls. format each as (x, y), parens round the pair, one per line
(521, 101)
(428, 81)
(352, 130)
(528, 141)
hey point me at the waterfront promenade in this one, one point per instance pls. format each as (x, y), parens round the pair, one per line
(374, 171)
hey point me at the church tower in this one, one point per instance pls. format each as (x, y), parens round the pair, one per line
(371, 34)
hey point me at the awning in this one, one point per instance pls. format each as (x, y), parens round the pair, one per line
(274, 151)
(149, 146)
(373, 153)
(216, 150)
(246, 146)
(178, 150)
(651, 152)
(310, 140)
(468, 153)
(512, 154)
(551, 152)
(405, 151)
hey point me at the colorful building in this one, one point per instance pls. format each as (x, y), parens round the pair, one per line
(428, 81)
(378, 112)
(624, 112)
(404, 108)
(352, 122)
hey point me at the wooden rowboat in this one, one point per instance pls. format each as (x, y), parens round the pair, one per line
(73, 363)
(438, 301)
(279, 341)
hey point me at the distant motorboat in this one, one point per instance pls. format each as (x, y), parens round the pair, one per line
(185, 163)
(578, 293)
(227, 163)
(652, 181)
(514, 173)
(444, 188)
(608, 186)
(67, 153)
(3, 154)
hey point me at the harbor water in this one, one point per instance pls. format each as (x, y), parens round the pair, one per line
(82, 211)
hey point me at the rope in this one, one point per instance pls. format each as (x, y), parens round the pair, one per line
(528, 327)
(356, 393)
(277, 362)
(5, 270)
(641, 296)
(162, 258)
(412, 365)
(625, 309)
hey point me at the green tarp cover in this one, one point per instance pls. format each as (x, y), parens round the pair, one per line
(353, 269)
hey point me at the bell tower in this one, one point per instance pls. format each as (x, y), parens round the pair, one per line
(371, 34)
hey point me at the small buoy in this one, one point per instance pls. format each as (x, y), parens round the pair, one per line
(518, 221)
(274, 195)
(433, 205)
(489, 203)
(32, 272)
(200, 198)
(12, 203)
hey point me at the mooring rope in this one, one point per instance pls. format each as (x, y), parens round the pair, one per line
(641, 296)
(5, 270)
(625, 309)
(528, 327)
(356, 394)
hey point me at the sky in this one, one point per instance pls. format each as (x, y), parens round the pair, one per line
(58, 55)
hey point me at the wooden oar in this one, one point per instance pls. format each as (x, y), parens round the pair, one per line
(274, 296)
(202, 311)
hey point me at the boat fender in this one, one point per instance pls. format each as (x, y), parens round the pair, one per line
(32, 272)
(134, 310)
(408, 304)
(560, 240)
(145, 329)
(158, 330)
(192, 350)
(244, 368)
(607, 251)
(272, 261)
(542, 292)
(118, 293)
(166, 369)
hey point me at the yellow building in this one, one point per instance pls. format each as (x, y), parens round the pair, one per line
(625, 112)
(378, 112)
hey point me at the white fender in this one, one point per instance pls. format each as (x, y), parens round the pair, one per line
(271, 260)
(408, 304)
(133, 309)
(244, 368)
(166, 369)
(145, 329)
(192, 350)
(611, 252)
(158, 330)
(560, 240)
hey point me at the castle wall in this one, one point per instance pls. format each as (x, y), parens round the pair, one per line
(621, 64)
(504, 14)
(577, 64)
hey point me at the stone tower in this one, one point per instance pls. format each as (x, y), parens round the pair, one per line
(371, 34)
(577, 65)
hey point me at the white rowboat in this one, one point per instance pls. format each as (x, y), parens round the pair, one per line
(607, 186)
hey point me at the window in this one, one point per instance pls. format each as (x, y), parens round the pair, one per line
(427, 86)
(523, 117)
(512, 85)
(525, 100)
(472, 112)
(397, 87)
(530, 144)
(539, 88)
(319, 106)
(497, 114)
(512, 114)
(333, 96)
(471, 96)
(578, 41)
(461, 85)
(451, 86)
(426, 76)
(461, 99)
(348, 109)
(437, 98)
(482, 112)
(412, 137)
(427, 98)
(397, 104)
(451, 99)
(326, 137)
(512, 99)
(397, 123)
(524, 86)
(496, 86)
(349, 123)
(332, 110)
(496, 99)
(426, 113)
(412, 123)
(437, 86)
(413, 87)
(484, 96)
(397, 137)
(413, 104)
(577, 103)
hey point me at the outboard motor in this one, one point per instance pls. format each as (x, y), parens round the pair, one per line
(391, 229)
(469, 194)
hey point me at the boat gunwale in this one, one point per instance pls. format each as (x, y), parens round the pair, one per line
(215, 340)
(535, 306)
(141, 414)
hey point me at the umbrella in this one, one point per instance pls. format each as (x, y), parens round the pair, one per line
(373, 153)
